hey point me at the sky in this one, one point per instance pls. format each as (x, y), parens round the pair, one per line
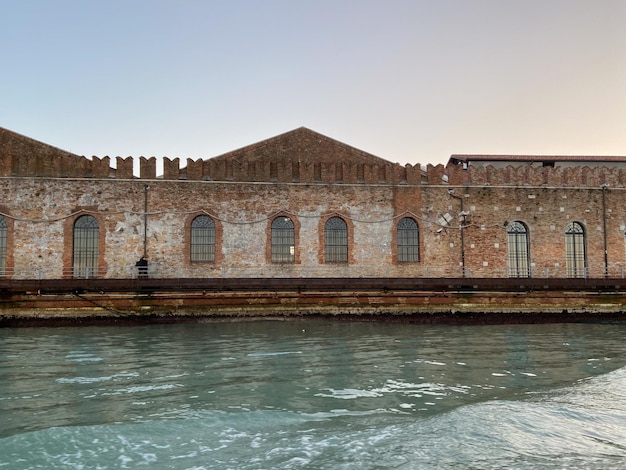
(410, 81)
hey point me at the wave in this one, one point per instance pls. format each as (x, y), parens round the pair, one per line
(581, 426)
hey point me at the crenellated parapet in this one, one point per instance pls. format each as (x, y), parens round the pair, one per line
(73, 166)
(435, 174)
(306, 157)
(289, 172)
(57, 166)
(526, 175)
(65, 165)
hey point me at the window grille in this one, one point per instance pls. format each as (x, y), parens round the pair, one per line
(336, 240)
(408, 241)
(575, 250)
(3, 246)
(202, 239)
(85, 250)
(518, 250)
(283, 240)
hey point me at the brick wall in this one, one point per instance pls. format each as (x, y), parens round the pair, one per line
(40, 213)
(309, 178)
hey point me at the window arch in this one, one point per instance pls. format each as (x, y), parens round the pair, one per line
(85, 249)
(4, 229)
(202, 243)
(408, 240)
(575, 250)
(283, 240)
(518, 245)
(336, 240)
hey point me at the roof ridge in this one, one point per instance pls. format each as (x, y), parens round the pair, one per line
(265, 142)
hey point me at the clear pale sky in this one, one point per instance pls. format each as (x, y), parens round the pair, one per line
(411, 81)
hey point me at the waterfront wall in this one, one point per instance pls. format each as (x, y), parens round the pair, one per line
(75, 302)
(40, 213)
(462, 213)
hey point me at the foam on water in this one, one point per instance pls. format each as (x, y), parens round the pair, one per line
(340, 397)
(91, 380)
(555, 429)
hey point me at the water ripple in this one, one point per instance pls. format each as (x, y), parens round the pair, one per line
(322, 395)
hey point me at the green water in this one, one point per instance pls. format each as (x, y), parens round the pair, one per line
(313, 394)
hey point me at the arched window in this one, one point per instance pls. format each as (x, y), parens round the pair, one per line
(202, 239)
(518, 263)
(283, 240)
(575, 250)
(3, 246)
(85, 249)
(408, 241)
(336, 240)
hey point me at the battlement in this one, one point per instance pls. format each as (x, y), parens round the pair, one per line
(302, 156)
(526, 175)
(287, 171)
(71, 166)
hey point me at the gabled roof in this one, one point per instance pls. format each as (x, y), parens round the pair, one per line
(535, 158)
(22, 156)
(303, 145)
(17, 145)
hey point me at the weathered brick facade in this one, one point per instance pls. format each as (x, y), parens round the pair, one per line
(308, 178)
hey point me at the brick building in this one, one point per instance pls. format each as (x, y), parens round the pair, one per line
(304, 205)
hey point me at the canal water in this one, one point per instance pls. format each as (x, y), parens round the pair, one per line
(313, 394)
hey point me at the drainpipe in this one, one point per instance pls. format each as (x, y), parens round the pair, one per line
(605, 187)
(461, 229)
(145, 220)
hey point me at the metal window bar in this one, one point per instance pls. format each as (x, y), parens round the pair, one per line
(202, 239)
(518, 251)
(283, 240)
(85, 250)
(408, 241)
(575, 253)
(336, 240)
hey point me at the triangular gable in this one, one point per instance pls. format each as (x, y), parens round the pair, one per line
(300, 145)
(21, 155)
